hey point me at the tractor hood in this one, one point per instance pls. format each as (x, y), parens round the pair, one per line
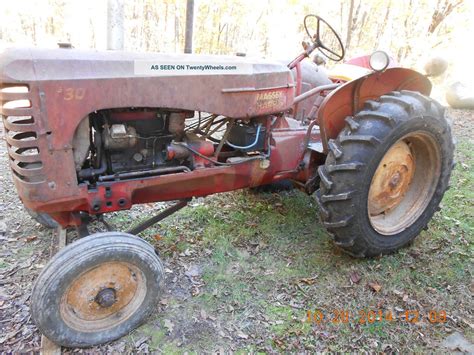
(92, 80)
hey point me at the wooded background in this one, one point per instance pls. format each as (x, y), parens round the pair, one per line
(411, 31)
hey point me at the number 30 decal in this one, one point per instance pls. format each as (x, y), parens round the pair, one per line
(74, 94)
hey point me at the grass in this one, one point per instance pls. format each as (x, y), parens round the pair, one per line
(3, 264)
(266, 261)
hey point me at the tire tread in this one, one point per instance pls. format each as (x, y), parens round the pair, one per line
(338, 195)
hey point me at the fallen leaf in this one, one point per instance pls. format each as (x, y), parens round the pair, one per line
(242, 335)
(193, 271)
(140, 341)
(3, 227)
(457, 341)
(31, 238)
(375, 286)
(203, 314)
(279, 342)
(471, 325)
(355, 277)
(309, 280)
(157, 237)
(195, 291)
(169, 325)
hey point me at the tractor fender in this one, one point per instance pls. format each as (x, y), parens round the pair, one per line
(350, 97)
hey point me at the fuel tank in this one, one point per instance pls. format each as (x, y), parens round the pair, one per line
(312, 76)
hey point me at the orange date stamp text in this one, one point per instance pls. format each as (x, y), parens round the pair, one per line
(370, 316)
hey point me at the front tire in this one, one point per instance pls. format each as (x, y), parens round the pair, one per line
(97, 289)
(386, 174)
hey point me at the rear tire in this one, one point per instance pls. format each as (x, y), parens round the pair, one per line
(386, 174)
(97, 289)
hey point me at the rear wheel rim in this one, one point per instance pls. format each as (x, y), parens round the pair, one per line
(103, 297)
(404, 183)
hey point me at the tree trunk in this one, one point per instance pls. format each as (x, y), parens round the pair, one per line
(115, 26)
(349, 25)
(361, 30)
(382, 26)
(188, 41)
(176, 28)
(441, 12)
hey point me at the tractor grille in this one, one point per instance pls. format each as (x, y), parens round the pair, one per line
(20, 132)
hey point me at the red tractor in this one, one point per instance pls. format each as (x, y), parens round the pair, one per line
(93, 132)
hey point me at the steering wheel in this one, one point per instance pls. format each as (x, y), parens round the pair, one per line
(335, 55)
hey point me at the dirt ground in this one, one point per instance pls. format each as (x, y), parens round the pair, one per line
(243, 270)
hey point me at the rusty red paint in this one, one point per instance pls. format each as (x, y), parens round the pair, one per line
(340, 103)
(364, 62)
(284, 163)
(65, 85)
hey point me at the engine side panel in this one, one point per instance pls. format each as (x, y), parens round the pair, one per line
(64, 86)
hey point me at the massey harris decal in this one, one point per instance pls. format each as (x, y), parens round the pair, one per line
(269, 100)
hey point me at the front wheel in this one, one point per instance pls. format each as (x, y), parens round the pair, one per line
(97, 289)
(386, 173)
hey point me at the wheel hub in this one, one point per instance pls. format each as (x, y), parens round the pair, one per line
(106, 297)
(103, 296)
(394, 180)
(403, 183)
(391, 179)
